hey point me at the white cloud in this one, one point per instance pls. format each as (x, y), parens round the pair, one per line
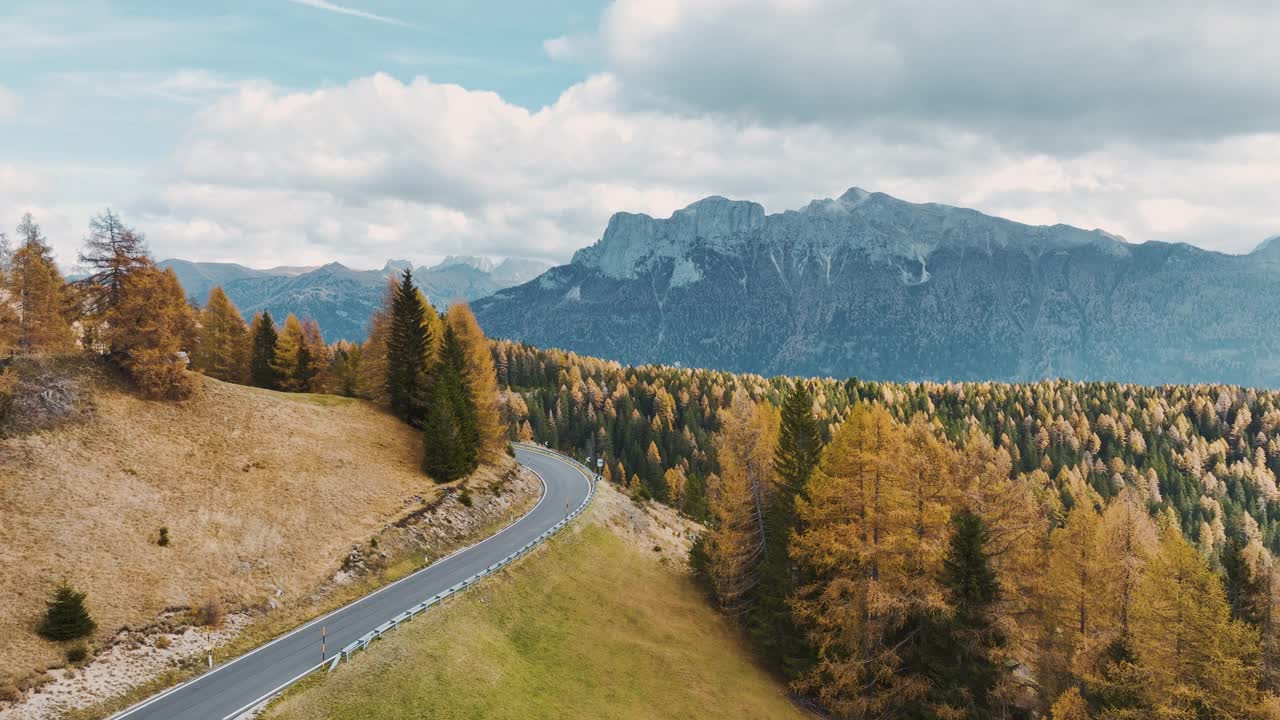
(8, 103)
(344, 10)
(381, 168)
(1050, 75)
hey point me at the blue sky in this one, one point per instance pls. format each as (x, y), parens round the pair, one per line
(93, 74)
(303, 131)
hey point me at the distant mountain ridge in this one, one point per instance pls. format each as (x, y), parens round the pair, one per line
(339, 298)
(870, 285)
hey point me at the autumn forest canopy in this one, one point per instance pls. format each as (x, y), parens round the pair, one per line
(895, 550)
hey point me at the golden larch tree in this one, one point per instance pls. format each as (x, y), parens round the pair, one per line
(1200, 662)
(41, 295)
(149, 328)
(481, 379)
(222, 347)
(736, 542)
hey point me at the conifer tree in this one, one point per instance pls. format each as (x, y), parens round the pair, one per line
(770, 621)
(450, 438)
(347, 368)
(1070, 706)
(40, 293)
(150, 329)
(293, 359)
(371, 374)
(66, 617)
(1075, 576)
(481, 379)
(262, 364)
(737, 542)
(407, 353)
(8, 301)
(223, 347)
(319, 358)
(965, 674)
(1201, 662)
(112, 251)
(799, 443)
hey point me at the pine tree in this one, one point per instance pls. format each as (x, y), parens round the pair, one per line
(799, 444)
(481, 378)
(40, 293)
(407, 353)
(451, 442)
(262, 364)
(770, 622)
(966, 674)
(66, 617)
(223, 347)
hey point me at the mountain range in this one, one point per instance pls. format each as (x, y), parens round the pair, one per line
(341, 299)
(870, 285)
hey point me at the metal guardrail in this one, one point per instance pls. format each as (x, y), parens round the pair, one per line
(365, 640)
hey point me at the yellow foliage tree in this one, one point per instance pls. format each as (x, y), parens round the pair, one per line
(736, 543)
(222, 346)
(1200, 662)
(1070, 706)
(481, 379)
(292, 340)
(873, 548)
(149, 328)
(40, 295)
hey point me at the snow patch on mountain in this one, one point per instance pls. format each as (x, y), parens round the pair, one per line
(877, 225)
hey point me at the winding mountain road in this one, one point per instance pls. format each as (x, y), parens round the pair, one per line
(234, 687)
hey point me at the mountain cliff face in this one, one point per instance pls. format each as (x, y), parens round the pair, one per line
(873, 286)
(339, 298)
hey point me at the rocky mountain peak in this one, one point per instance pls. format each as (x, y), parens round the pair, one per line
(483, 264)
(1269, 248)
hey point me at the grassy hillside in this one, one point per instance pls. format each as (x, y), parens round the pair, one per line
(263, 493)
(598, 624)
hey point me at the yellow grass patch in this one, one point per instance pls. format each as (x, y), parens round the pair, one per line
(598, 624)
(263, 494)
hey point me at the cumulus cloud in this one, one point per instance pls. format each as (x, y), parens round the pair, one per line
(1054, 74)
(381, 167)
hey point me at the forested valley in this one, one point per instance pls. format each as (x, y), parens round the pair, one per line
(973, 550)
(896, 550)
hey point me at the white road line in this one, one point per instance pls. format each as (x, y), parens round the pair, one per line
(129, 711)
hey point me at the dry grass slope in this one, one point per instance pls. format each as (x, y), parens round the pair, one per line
(598, 624)
(263, 494)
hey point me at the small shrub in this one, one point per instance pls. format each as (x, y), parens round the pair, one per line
(9, 691)
(657, 548)
(66, 617)
(163, 540)
(208, 612)
(77, 653)
(373, 543)
(162, 643)
(465, 497)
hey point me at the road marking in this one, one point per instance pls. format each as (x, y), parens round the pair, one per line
(146, 703)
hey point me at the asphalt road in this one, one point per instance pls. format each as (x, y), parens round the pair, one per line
(237, 685)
